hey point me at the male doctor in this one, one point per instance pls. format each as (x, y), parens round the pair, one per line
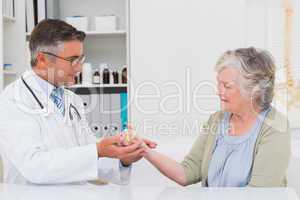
(44, 135)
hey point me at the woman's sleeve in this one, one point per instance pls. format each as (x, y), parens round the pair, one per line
(193, 161)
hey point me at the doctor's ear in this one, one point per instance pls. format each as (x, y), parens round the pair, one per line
(41, 60)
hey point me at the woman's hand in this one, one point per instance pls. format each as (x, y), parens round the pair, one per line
(129, 135)
(144, 146)
(164, 164)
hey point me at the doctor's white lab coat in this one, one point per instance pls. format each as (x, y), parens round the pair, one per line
(43, 146)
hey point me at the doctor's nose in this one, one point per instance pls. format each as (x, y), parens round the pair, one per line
(78, 68)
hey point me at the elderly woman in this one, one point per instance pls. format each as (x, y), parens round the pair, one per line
(245, 144)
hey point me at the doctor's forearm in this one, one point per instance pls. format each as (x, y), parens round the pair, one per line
(74, 164)
(167, 166)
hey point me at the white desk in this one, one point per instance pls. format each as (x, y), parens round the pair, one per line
(112, 192)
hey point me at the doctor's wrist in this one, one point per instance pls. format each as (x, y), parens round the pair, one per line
(99, 147)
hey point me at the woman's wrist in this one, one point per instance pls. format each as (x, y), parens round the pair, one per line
(148, 152)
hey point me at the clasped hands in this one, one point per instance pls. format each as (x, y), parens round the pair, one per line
(127, 147)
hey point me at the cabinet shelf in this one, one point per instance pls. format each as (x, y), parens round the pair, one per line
(9, 72)
(96, 33)
(99, 86)
(99, 89)
(100, 34)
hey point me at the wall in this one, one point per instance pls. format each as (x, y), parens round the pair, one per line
(1, 48)
(174, 45)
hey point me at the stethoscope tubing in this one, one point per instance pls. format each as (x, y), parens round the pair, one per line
(41, 105)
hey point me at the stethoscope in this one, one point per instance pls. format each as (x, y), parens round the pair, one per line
(71, 107)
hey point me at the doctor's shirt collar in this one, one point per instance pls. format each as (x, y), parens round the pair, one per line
(45, 85)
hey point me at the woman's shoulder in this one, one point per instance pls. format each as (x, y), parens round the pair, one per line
(276, 121)
(275, 128)
(212, 123)
(216, 117)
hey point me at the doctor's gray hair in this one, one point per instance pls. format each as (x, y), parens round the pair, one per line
(49, 35)
(257, 73)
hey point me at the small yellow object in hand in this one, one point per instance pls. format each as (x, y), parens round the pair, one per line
(129, 135)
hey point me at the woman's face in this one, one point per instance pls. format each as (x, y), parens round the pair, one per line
(229, 91)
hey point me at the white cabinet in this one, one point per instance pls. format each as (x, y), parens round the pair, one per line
(100, 47)
(1, 49)
(12, 42)
(106, 46)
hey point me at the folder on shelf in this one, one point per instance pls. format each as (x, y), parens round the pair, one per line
(8, 7)
(124, 112)
(36, 10)
(29, 15)
(94, 119)
(28, 56)
(86, 100)
(52, 10)
(104, 114)
(41, 10)
(115, 112)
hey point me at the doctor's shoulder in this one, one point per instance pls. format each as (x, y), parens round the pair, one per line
(13, 97)
(7, 96)
(11, 104)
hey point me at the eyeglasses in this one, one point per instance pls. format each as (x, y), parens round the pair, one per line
(74, 60)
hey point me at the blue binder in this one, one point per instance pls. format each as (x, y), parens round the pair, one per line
(124, 112)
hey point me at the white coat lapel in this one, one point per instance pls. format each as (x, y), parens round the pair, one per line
(47, 103)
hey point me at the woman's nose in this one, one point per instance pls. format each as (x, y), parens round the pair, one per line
(221, 90)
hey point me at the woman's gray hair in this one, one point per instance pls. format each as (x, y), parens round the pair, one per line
(257, 73)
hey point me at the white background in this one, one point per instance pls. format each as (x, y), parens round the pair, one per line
(169, 38)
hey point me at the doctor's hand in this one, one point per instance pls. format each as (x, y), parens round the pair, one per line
(111, 147)
(135, 156)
